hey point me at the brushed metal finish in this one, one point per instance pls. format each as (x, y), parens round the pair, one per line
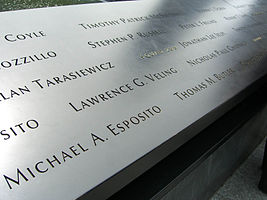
(217, 36)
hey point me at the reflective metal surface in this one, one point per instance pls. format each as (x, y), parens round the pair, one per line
(85, 91)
